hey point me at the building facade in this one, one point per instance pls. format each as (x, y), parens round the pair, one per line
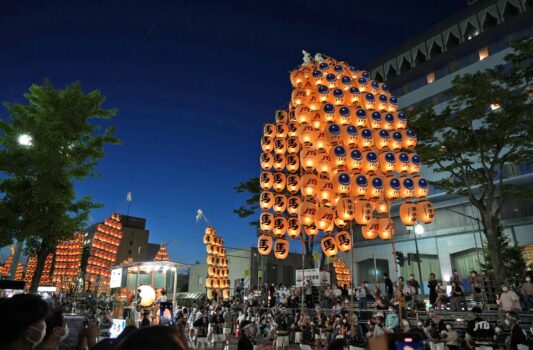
(422, 70)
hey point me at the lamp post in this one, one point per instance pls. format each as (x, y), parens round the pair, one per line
(418, 230)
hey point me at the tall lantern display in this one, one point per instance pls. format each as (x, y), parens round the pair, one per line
(217, 281)
(31, 267)
(67, 262)
(350, 150)
(103, 253)
(342, 272)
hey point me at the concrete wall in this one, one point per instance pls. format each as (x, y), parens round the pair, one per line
(197, 275)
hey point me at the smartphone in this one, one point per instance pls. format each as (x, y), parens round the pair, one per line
(409, 344)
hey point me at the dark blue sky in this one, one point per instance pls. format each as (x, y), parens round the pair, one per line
(193, 82)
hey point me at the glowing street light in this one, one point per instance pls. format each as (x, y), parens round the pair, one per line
(419, 229)
(25, 140)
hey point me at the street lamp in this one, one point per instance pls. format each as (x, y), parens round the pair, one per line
(418, 230)
(25, 140)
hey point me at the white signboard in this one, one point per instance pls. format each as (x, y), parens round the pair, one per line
(116, 278)
(317, 277)
(117, 327)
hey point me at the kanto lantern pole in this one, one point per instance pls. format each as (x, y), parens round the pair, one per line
(303, 271)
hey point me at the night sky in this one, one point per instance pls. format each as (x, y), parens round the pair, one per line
(193, 82)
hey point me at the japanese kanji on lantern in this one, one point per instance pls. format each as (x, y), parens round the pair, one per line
(340, 155)
(217, 281)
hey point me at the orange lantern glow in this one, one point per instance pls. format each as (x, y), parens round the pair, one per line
(368, 100)
(325, 190)
(354, 160)
(264, 244)
(302, 114)
(308, 159)
(267, 160)
(297, 78)
(370, 163)
(293, 145)
(344, 241)
(292, 163)
(269, 130)
(279, 162)
(293, 206)
(402, 163)
(345, 209)
(407, 189)
(292, 129)
(352, 96)
(281, 249)
(386, 228)
(409, 139)
(293, 183)
(320, 142)
(333, 134)
(360, 118)
(324, 218)
(329, 246)
(266, 221)
(280, 226)
(280, 181)
(375, 188)
(323, 163)
(400, 120)
(359, 187)
(349, 136)
(388, 122)
(387, 162)
(392, 188)
(323, 93)
(341, 224)
(280, 145)
(281, 116)
(366, 140)
(280, 204)
(293, 229)
(375, 120)
(338, 156)
(396, 141)
(383, 102)
(299, 97)
(381, 139)
(308, 211)
(309, 185)
(421, 187)
(425, 211)
(306, 135)
(311, 230)
(408, 214)
(267, 144)
(370, 231)
(381, 207)
(363, 212)
(336, 96)
(415, 164)
(281, 130)
(342, 183)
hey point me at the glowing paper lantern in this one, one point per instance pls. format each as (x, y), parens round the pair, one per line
(293, 145)
(266, 221)
(375, 120)
(147, 295)
(292, 163)
(281, 116)
(407, 189)
(280, 226)
(308, 211)
(294, 227)
(325, 190)
(421, 187)
(299, 97)
(324, 218)
(408, 214)
(279, 162)
(370, 162)
(329, 246)
(387, 162)
(307, 135)
(363, 212)
(392, 188)
(396, 141)
(280, 204)
(415, 164)
(386, 228)
(344, 116)
(293, 183)
(359, 187)
(400, 120)
(354, 160)
(381, 139)
(323, 163)
(309, 185)
(370, 231)
(344, 241)
(342, 182)
(409, 139)
(338, 156)
(267, 144)
(266, 200)
(279, 182)
(425, 212)
(311, 230)
(308, 159)
(293, 206)
(267, 160)
(402, 163)
(292, 130)
(264, 244)
(333, 134)
(266, 180)
(280, 145)
(281, 249)
(375, 188)
(269, 130)
(320, 141)
(349, 136)
(366, 141)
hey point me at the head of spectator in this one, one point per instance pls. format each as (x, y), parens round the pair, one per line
(473, 273)
(23, 322)
(338, 344)
(477, 311)
(511, 319)
(411, 277)
(431, 276)
(56, 328)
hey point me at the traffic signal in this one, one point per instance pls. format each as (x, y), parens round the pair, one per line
(400, 259)
(413, 257)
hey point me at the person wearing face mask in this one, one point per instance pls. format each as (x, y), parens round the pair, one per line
(527, 293)
(518, 338)
(392, 319)
(451, 338)
(508, 301)
(479, 332)
(23, 322)
(475, 281)
(246, 341)
(56, 330)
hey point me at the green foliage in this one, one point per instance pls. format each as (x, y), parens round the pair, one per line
(253, 188)
(38, 200)
(513, 263)
(469, 143)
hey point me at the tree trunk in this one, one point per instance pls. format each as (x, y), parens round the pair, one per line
(490, 224)
(43, 252)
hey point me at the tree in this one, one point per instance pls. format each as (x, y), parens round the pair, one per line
(48, 144)
(251, 207)
(487, 124)
(513, 262)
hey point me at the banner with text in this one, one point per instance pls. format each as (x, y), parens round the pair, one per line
(315, 276)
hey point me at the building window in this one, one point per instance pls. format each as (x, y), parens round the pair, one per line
(483, 53)
(430, 77)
